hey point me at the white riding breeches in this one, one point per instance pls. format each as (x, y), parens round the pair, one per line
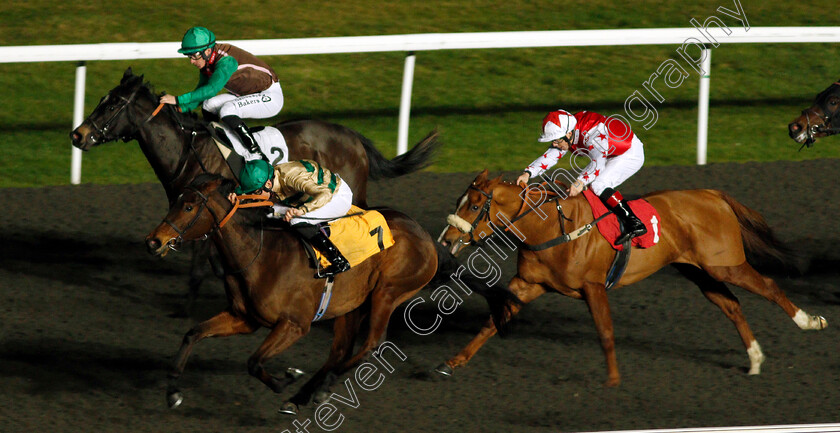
(338, 206)
(262, 105)
(619, 168)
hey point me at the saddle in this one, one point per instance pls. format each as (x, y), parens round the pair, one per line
(610, 226)
(358, 235)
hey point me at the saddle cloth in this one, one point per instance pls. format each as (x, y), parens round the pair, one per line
(610, 228)
(270, 139)
(359, 237)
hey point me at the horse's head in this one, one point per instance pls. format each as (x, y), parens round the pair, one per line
(819, 119)
(199, 210)
(116, 116)
(472, 215)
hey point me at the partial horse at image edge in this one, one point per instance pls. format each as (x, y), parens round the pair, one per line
(706, 235)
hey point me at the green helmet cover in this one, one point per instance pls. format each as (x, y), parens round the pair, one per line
(197, 39)
(253, 176)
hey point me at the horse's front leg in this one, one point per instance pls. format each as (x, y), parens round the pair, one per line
(282, 335)
(526, 292)
(599, 307)
(345, 329)
(220, 325)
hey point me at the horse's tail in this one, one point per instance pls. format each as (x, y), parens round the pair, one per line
(500, 299)
(763, 249)
(418, 157)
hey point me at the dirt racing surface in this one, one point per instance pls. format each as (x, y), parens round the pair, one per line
(86, 336)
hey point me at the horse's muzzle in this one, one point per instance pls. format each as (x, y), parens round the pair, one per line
(157, 247)
(82, 140)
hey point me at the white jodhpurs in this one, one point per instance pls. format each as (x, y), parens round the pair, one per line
(338, 206)
(619, 168)
(262, 105)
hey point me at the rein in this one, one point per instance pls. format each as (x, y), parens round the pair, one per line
(460, 223)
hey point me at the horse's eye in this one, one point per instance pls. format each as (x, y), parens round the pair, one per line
(112, 108)
(188, 208)
(474, 207)
(833, 102)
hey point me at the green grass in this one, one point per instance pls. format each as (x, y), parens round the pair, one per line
(488, 104)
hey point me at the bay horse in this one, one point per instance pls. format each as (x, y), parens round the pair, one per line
(706, 234)
(179, 147)
(269, 283)
(819, 120)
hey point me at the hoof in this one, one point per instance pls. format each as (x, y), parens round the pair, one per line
(444, 370)
(823, 322)
(294, 373)
(174, 399)
(321, 397)
(288, 408)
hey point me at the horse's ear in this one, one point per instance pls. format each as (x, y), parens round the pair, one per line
(127, 75)
(481, 178)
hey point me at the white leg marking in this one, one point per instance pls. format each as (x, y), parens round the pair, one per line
(756, 357)
(806, 321)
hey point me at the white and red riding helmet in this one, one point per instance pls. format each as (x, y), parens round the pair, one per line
(556, 125)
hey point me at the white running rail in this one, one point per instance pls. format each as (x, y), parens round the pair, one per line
(426, 42)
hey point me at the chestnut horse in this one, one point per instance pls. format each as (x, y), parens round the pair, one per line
(704, 233)
(179, 147)
(269, 284)
(821, 119)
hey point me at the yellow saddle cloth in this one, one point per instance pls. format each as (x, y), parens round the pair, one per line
(359, 237)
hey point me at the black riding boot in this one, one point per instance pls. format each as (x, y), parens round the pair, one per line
(238, 125)
(632, 226)
(322, 243)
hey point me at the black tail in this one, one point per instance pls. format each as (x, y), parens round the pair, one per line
(418, 157)
(500, 299)
(763, 249)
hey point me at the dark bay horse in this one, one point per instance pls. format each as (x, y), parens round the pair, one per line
(179, 147)
(705, 234)
(269, 284)
(819, 120)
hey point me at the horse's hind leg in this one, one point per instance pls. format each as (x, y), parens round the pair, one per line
(717, 292)
(220, 325)
(526, 292)
(748, 278)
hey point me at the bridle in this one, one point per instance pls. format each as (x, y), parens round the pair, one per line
(483, 214)
(103, 130)
(811, 130)
(261, 200)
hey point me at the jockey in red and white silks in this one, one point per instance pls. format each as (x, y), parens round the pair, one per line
(614, 151)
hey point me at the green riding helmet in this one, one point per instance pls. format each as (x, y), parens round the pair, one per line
(197, 39)
(254, 175)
